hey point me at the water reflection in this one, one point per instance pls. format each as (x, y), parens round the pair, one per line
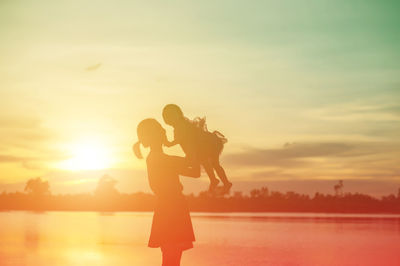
(31, 235)
(79, 238)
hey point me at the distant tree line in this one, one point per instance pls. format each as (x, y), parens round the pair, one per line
(106, 197)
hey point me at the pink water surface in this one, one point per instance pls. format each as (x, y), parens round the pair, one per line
(89, 238)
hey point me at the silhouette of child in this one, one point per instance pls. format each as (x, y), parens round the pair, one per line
(199, 144)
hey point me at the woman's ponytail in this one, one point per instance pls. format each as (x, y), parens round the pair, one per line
(137, 150)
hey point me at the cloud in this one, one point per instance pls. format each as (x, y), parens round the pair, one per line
(358, 111)
(9, 158)
(23, 132)
(18, 122)
(292, 154)
(30, 163)
(325, 160)
(272, 174)
(25, 141)
(34, 162)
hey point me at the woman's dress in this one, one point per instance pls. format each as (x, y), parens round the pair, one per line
(172, 225)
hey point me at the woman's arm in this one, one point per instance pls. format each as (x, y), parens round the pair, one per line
(187, 168)
(177, 139)
(168, 143)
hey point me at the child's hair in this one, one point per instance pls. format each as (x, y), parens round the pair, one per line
(148, 131)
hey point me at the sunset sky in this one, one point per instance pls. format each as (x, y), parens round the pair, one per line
(307, 92)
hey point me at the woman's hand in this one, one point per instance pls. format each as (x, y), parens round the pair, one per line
(187, 167)
(169, 143)
(194, 171)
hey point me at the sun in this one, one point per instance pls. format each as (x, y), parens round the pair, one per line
(87, 155)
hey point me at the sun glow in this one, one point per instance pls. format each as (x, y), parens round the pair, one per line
(87, 155)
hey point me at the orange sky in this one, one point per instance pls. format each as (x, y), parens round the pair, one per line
(306, 96)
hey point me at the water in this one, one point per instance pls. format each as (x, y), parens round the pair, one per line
(89, 238)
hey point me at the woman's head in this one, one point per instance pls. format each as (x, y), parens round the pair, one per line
(172, 114)
(150, 134)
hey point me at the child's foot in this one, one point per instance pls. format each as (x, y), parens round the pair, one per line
(227, 187)
(213, 184)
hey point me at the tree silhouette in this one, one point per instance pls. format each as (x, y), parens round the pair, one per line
(106, 186)
(255, 193)
(37, 187)
(339, 189)
(107, 198)
(238, 195)
(259, 193)
(264, 192)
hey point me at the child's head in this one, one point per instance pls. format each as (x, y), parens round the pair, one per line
(150, 134)
(172, 114)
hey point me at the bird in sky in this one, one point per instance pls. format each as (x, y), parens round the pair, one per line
(93, 67)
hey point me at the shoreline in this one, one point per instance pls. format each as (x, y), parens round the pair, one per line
(238, 214)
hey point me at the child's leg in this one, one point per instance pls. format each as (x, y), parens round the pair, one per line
(210, 172)
(220, 171)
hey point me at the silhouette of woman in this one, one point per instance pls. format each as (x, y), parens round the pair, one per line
(171, 229)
